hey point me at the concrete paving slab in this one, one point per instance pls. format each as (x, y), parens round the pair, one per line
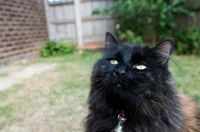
(17, 74)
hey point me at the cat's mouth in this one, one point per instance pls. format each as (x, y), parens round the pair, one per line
(119, 83)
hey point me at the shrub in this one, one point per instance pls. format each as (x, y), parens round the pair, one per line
(54, 48)
(153, 20)
(188, 40)
(130, 36)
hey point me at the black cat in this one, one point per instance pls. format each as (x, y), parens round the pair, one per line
(133, 91)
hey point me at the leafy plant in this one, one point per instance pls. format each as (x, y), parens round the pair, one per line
(130, 36)
(54, 48)
(153, 21)
(6, 62)
(188, 40)
(144, 16)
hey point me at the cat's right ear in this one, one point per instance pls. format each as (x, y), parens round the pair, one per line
(110, 39)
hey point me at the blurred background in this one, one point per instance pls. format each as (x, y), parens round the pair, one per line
(46, 54)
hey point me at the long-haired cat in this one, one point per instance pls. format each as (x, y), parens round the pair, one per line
(133, 91)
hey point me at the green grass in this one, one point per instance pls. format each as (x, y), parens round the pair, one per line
(3, 75)
(56, 100)
(53, 101)
(187, 75)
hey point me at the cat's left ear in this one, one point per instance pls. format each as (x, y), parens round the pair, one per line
(163, 51)
(110, 39)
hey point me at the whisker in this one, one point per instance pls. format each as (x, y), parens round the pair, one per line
(100, 97)
(96, 92)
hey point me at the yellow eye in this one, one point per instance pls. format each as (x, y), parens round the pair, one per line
(114, 62)
(141, 67)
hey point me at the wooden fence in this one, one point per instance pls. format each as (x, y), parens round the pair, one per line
(61, 21)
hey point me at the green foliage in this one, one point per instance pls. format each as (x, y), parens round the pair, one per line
(153, 20)
(130, 36)
(188, 40)
(6, 62)
(54, 48)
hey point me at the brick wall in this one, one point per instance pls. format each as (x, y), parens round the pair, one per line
(22, 29)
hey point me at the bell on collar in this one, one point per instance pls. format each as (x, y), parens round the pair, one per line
(119, 127)
(121, 120)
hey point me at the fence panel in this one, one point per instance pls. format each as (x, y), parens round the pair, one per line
(61, 21)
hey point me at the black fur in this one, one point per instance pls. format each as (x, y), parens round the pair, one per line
(147, 97)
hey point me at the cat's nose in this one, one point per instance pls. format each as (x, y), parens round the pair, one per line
(121, 72)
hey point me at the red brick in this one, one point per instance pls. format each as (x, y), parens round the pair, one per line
(22, 28)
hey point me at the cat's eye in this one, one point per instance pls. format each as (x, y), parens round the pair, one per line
(114, 62)
(140, 67)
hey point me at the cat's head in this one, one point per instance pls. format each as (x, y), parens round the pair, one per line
(127, 72)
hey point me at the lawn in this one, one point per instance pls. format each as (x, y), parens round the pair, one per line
(55, 101)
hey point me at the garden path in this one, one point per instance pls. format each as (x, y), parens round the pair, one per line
(11, 75)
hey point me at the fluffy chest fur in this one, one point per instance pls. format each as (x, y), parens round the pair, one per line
(134, 79)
